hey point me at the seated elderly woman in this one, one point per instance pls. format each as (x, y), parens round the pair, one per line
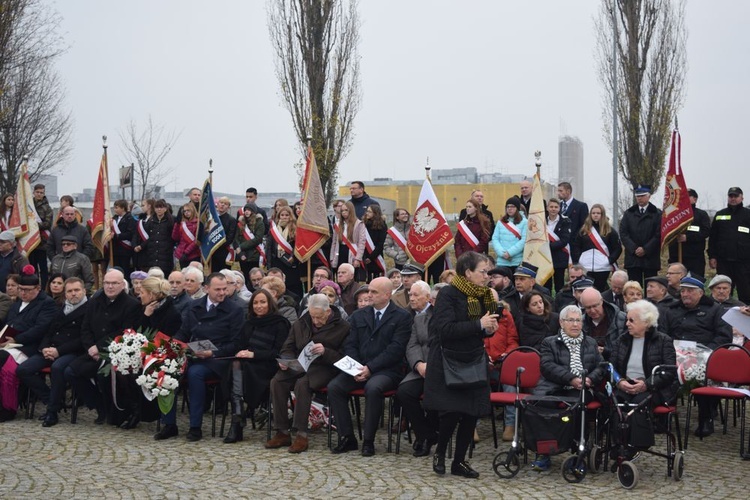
(324, 326)
(632, 291)
(284, 303)
(566, 357)
(333, 291)
(634, 356)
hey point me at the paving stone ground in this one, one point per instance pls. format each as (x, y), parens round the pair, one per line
(89, 461)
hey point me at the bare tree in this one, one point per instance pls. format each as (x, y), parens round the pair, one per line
(651, 70)
(33, 117)
(317, 65)
(147, 150)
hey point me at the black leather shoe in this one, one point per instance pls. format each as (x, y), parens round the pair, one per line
(438, 464)
(424, 449)
(42, 417)
(368, 448)
(101, 417)
(131, 422)
(347, 443)
(705, 429)
(50, 419)
(463, 469)
(167, 431)
(194, 434)
(235, 433)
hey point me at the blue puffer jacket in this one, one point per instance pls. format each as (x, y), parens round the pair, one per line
(505, 241)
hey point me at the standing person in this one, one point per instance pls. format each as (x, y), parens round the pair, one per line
(510, 235)
(251, 196)
(11, 260)
(323, 326)
(527, 190)
(693, 240)
(392, 247)
(575, 210)
(67, 201)
(123, 232)
(158, 248)
(376, 229)
(360, 200)
(478, 196)
(218, 259)
(474, 231)
(279, 254)
(377, 339)
(348, 242)
(68, 226)
(559, 230)
(597, 247)
(464, 315)
(729, 243)
(185, 235)
(6, 210)
(38, 258)
(210, 318)
(141, 234)
(640, 231)
(249, 238)
(194, 197)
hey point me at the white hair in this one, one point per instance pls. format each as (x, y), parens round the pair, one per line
(646, 311)
(567, 310)
(421, 285)
(156, 272)
(619, 275)
(239, 276)
(194, 272)
(318, 301)
(347, 267)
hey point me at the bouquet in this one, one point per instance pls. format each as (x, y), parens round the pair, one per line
(124, 352)
(164, 362)
(691, 363)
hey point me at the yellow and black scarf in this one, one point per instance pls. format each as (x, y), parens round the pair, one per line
(475, 293)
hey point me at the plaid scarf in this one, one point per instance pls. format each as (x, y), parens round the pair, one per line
(475, 293)
(574, 346)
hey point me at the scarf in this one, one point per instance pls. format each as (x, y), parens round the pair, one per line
(574, 346)
(69, 308)
(280, 253)
(475, 293)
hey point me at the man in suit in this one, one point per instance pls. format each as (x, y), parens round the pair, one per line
(209, 318)
(573, 209)
(59, 347)
(640, 232)
(558, 228)
(218, 260)
(377, 339)
(614, 294)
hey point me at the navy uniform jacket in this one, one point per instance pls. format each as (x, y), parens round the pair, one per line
(221, 326)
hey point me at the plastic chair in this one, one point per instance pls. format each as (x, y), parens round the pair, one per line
(520, 368)
(729, 364)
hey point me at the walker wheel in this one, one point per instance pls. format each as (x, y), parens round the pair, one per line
(628, 475)
(678, 466)
(506, 465)
(573, 470)
(596, 459)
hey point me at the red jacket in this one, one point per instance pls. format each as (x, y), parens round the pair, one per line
(186, 247)
(505, 338)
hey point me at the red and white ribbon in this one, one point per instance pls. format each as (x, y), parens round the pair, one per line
(599, 244)
(142, 231)
(566, 248)
(398, 238)
(186, 231)
(512, 228)
(370, 247)
(470, 238)
(116, 229)
(280, 240)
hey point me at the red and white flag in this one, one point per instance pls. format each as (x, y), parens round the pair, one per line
(677, 213)
(429, 235)
(27, 232)
(101, 215)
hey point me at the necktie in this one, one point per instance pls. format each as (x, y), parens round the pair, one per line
(642, 210)
(212, 308)
(564, 207)
(377, 317)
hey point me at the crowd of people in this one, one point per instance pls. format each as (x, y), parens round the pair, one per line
(409, 336)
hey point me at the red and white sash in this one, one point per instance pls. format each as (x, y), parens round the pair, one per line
(142, 231)
(116, 229)
(566, 248)
(186, 231)
(349, 244)
(512, 228)
(599, 244)
(247, 235)
(370, 247)
(470, 238)
(398, 238)
(323, 258)
(230, 256)
(262, 251)
(280, 240)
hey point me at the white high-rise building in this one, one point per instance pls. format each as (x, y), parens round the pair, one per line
(570, 161)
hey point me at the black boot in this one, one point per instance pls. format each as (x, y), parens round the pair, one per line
(235, 430)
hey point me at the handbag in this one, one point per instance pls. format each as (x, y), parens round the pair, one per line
(465, 369)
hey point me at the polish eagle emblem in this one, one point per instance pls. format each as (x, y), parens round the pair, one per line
(425, 221)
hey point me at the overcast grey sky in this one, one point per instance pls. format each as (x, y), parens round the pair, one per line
(469, 84)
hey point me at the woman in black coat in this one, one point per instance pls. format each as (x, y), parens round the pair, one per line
(536, 321)
(655, 347)
(158, 249)
(263, 335)
(464, 315)
(377, 230)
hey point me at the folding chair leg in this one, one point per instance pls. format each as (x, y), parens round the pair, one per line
(687, 420)
(398, 434)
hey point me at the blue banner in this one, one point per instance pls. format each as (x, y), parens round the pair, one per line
(211, 233)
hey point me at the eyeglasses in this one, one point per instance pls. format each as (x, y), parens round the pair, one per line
(573, 320)
(673, 272)
(112, 283)
(483, 271)
(23, 289)
(68, 243)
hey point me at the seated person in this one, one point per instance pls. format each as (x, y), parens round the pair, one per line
(209, 318)
(285, 304)
(323, 325)
(565, 358)
(28, 321)
(632, 291)
(60, 346)
(537, 322)
(260, 341)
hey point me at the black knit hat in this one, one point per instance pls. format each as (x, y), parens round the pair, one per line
(28, 277)
(515, 201)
